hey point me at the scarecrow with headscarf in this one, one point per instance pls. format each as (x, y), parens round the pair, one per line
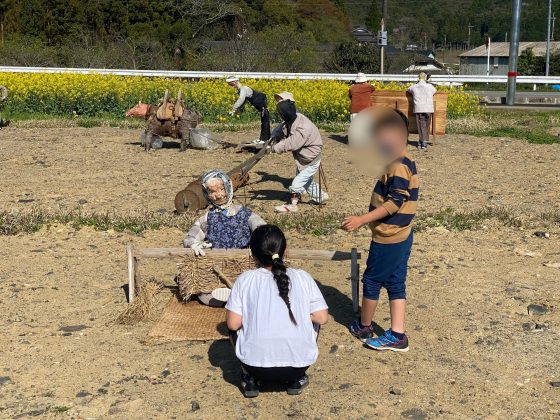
(226, 225)
(302, 138)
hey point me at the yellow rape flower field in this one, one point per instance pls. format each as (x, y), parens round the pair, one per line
(93, 95)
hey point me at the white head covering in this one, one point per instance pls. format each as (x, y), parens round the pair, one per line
(284, 96)
(361, 78)
(231, 79)
(222, 176)
(422, 76)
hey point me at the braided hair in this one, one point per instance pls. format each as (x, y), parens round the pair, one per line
(268, 245)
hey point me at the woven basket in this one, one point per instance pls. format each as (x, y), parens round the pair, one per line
(202, 275)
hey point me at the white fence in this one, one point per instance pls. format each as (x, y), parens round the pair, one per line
(443, 79)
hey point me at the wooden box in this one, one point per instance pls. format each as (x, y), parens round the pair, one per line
(403, 102)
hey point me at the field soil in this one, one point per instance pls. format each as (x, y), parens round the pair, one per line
(476, 351)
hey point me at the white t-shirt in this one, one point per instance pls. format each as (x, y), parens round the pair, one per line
(268, 338)
(423, 97)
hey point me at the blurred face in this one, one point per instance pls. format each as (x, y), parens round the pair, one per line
(391, 140)
(216, 191)
(375, 146)
(233, 84)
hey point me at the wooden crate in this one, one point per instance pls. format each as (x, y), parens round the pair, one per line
(403, 102)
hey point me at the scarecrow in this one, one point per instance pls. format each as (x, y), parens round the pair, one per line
(259, 102)
(225, 226)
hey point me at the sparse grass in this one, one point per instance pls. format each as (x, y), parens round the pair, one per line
(319, 223)
(29, 221)
(553, 217)
(531, 126)
(50, 121)
(60, 409)
(460, 221)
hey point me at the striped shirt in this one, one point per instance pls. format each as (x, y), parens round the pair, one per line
(397, 192)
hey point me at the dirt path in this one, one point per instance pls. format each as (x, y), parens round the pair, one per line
(109, 170)
(475, 351)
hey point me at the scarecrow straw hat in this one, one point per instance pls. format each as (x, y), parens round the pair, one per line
(284, 96)
(361, 78)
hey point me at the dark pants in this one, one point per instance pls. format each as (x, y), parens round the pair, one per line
(275, 375)
(386, 267)
(272, 375)
(423, 120)
(259, 101)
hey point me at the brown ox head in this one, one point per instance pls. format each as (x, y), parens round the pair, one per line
(140, 110)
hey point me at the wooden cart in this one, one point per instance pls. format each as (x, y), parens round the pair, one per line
(402, 101)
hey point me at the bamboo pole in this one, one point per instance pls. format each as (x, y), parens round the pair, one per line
(297, 254)
(132, 270)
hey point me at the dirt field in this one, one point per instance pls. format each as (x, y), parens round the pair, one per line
(475, 350)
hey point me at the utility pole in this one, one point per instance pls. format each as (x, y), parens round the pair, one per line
(488, 43)
(469, 42)
(383, 29)
(513, 51)
(547, 68)
(553, 21)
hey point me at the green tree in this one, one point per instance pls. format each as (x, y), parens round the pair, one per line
(373, 19)
(354, 57)
(32, 20)
(529, 64)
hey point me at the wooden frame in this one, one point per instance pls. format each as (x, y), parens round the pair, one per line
(134, 255)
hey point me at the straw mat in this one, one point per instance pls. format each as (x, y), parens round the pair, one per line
(190, 321)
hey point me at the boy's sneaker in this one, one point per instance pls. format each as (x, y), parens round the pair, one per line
(296, 387)
(363, 333)
(249, 386)
(388, 341)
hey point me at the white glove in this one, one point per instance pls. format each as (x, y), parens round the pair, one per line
(199, 247)
(231, 113)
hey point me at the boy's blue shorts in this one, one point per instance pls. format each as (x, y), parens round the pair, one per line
(387, 267)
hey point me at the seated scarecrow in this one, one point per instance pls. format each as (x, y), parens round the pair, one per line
(225, 226)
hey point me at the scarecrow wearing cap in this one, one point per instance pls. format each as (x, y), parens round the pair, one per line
(297, 134)
(360, 95)
(259, 102)
(225, 226)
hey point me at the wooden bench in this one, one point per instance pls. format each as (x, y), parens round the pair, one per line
(134, 255)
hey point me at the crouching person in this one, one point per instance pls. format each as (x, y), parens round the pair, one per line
(274, 314)
(303, 139)
(225, 226)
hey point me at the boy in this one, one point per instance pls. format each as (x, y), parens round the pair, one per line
(392, 209)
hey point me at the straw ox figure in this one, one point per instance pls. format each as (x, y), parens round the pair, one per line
(170, 118)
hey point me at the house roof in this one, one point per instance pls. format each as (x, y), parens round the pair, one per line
(501, 49)
(426, 68)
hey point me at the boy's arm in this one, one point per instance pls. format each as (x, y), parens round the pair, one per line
(397, 183)
(355, 222)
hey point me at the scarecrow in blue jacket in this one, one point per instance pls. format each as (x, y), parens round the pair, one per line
(225, 226)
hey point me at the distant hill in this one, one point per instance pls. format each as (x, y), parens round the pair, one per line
(440, 21)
